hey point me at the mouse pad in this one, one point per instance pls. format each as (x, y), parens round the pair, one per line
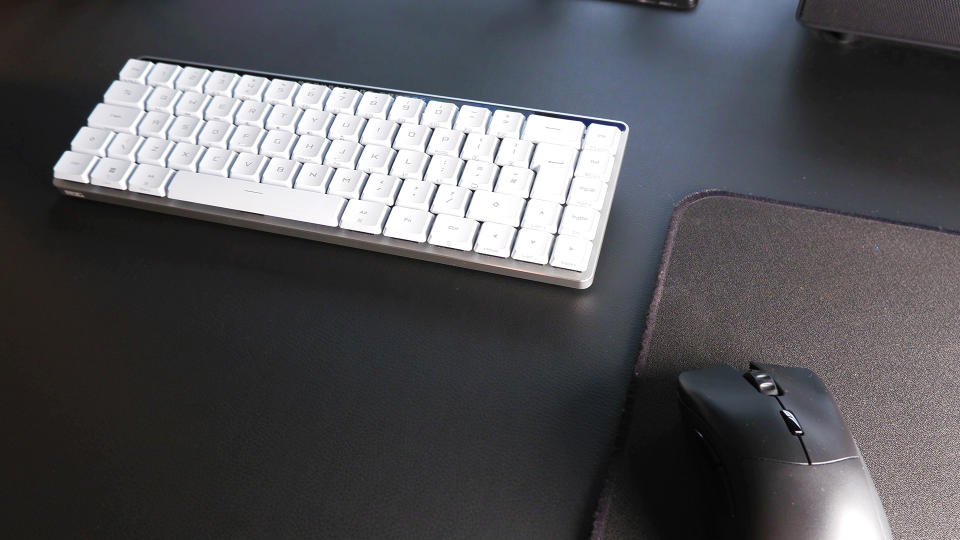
(872, 307)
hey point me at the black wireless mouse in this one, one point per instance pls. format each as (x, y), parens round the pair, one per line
(782, 459)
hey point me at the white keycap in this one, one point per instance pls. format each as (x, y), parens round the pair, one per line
(216, 161)
(310, 149)
(346, 127)
(451, 200)
(342, 101)
(163, 99)
(381, 188)
(364, 216)
(480, 147)
(115, 118)
(379, 132)
(91, 141)
(221, 83)
(163, 74)
(406, 110)
(111, 173)
(278, 144)
(185, 129)
(155, 124)
(342, 154)
(580, 222)
(532, 246)
(124, 146)
(281, 92)
(541, 216)
(409, 165)
(601, 137)
(479, 175)
(311, 96)
(185, 157)
(553, 155)
(595, 164)
(453, 232)
(472, 119)
(571, 253)
(280, 172)
(127, 94)
(444, 170)
(589, 192)
(506, 124)
(253, 113)
(412, 137)
(215, 133)
(248, 167)
(284, 117)
(150, 180)
(154, 151)
(191, 79)
(314, 122)
(416, 194)
(551, 184)
(439, 114)
(191, 104)
(374, 105)
(495, 239)
(347, 183)
(546, 129)
(246, 139)
(74, 166)
(263, 199)
(515, 181)
(135, 71)
(408, 224)
(314, 177)
(376, 159)
(222, 108)
(250, 87)
(496, 207)
(514, 152)
(445, 142)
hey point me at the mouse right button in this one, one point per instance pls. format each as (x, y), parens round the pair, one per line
(825, 434)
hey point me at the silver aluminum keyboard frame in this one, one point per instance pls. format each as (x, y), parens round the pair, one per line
(334, 235)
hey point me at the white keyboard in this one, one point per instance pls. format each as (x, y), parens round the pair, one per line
(501, 189)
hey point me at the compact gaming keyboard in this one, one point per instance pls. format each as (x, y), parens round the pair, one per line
(501, 189)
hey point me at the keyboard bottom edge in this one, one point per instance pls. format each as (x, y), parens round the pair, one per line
(330, 235)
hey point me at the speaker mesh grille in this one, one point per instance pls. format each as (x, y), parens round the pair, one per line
(930, 22)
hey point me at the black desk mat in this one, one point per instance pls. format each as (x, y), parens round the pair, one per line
(873, 307)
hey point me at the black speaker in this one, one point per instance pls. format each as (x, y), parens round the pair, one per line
(930, 23)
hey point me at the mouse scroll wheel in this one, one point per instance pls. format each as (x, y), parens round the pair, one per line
(763, 382)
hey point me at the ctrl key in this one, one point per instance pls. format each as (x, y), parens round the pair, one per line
(453, 232)
(75, 167)
(150, 180)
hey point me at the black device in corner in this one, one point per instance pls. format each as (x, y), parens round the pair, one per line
(927, 24)
(671, 4)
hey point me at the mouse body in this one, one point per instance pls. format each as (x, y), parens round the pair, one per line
(784, 462)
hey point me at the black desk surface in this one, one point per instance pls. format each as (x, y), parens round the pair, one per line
(167, 377)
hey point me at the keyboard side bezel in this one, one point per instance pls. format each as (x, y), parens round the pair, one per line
(334, 235)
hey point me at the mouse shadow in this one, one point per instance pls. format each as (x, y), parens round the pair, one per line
(655, 486)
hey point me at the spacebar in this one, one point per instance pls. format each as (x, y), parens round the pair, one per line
(278, 201)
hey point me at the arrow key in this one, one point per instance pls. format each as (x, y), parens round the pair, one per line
(495, 239)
